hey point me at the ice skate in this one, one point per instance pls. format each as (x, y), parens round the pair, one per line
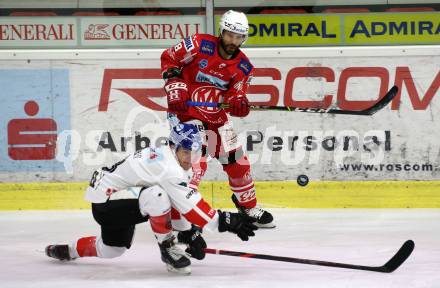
(174, 257)
(60, 252)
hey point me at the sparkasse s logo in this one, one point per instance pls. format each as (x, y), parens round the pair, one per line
(35, 112)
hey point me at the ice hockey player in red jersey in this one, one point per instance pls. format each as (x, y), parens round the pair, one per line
(163, 175)
(206, 68)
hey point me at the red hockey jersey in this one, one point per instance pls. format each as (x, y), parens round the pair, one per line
(210, 78)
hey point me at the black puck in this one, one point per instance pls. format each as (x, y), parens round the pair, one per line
(302, 180)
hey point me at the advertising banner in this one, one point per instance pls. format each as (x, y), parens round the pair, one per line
(139, 31)
(343, 29)
(394, 29)
(38, 32)
(264, 30)
(96, 32)
(118, 106)
(289, 30)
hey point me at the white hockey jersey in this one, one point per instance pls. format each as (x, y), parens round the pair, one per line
(149, 167)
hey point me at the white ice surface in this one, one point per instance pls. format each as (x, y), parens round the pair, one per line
(358, 236)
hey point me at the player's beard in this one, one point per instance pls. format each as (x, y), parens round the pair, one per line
(229, 49)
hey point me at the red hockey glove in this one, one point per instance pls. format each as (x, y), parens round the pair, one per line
(177, 95)
(238, 106)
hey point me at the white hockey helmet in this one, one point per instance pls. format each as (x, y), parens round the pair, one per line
(235, 22)
(187, 136)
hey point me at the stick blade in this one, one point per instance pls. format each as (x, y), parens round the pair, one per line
(383, 102)
(400, 257)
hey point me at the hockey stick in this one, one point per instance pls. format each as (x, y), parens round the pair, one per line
(388, 267)
(366, 112)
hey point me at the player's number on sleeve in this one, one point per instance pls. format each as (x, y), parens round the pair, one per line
(97, 173)
(93, 180)
(113, 168)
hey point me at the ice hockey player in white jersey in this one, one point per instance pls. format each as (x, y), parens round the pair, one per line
(163, 175)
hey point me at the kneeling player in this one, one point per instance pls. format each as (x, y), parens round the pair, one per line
(162, 172)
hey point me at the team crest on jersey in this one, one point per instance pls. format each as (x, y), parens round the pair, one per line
(245, 66)
(206, 94)
(189, 45)
(203, 63)
(207, 47)
(155, 155)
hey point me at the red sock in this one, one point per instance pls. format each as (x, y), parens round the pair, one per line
(161, 224)
(86, 247)
(241, 182)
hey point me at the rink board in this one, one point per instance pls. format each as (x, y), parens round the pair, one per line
(320, 194)
(117, 105)
(98, 103)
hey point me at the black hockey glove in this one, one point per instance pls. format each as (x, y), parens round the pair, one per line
(193, 238)
(237, 223)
